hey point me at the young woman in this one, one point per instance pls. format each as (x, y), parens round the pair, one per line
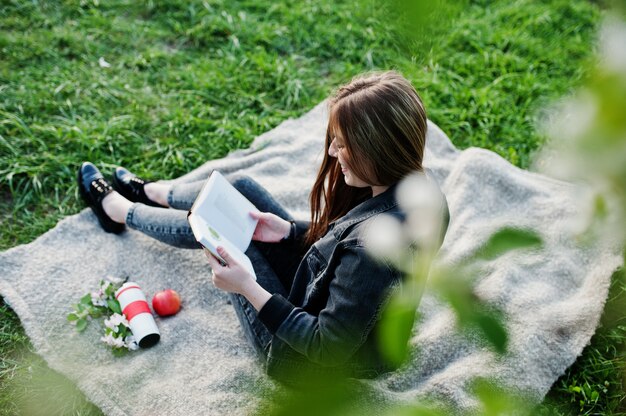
(318, 294)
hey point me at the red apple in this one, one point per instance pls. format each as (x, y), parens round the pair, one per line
(166, 302)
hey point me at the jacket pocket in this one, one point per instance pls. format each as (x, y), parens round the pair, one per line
(317, 269)
(317, 263)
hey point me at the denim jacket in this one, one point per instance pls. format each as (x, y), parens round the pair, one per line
(327, 324)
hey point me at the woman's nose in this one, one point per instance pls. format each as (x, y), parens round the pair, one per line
(332, 149)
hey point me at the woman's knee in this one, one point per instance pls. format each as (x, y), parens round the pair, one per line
(245, 184)
(258, 195)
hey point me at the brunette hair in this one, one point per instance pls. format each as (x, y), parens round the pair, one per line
(382, 121)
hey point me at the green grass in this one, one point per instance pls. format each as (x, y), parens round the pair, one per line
(190, 81)
(594, 385)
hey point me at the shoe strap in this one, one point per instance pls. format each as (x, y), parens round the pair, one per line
(138, 180)
(100, 188)
(136, 186)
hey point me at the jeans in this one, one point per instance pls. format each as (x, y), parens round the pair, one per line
(275, 264)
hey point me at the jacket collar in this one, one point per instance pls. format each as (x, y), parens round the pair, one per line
(366, 209)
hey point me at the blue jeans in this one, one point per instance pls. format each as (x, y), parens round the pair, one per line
(274, 263)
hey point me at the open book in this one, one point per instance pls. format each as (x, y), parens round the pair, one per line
(220, 216)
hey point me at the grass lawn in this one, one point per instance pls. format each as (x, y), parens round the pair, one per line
(192, 80)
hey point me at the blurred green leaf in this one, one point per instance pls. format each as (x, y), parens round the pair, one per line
(86, 300)
(395, 327)
(123, 331)
(493, 329)
(322, 396)
(507, 239)
(600, 208)
(499, 401)
(114, 305)
(81, 324)
(72, 317)
(111, 289)
(456, 287)
(420, 409)
(118, 352)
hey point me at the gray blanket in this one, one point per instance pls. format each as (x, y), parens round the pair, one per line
(553, 297)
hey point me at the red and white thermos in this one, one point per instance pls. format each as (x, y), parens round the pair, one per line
(137, 311)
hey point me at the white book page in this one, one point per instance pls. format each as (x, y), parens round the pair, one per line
(220, 216)
(226, 211)
(211, 243)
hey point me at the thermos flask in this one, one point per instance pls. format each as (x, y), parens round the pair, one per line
(136, 310)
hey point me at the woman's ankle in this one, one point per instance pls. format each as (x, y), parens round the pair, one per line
(116, 207)
(158, 192)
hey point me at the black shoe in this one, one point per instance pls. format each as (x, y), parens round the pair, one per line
(93, 188)
(132, 187)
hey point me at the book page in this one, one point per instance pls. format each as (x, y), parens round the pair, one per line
(220, 216)
(212, 241)
(225, 211)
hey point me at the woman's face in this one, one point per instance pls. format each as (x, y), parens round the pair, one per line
(338, 150)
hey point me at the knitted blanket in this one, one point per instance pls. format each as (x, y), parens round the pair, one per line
(553, 297)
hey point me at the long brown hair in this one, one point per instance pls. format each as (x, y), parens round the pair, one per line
(383, 123)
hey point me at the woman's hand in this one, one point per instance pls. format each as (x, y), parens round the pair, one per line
(234, 278)
(270, 228)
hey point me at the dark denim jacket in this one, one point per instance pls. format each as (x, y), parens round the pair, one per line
(327, 323)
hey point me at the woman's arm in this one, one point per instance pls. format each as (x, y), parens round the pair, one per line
(234, 278)
(270, 227)
(356, 294)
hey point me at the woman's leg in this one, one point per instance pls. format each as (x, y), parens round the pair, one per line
(258, 195)
(169, 226)
(166, 225)
(183, 195)
(283, 257)
(254, 330)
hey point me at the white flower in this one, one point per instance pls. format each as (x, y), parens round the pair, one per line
(103, 63)
(384, 238)
(417, 193)
(118, 342)
(577, 117)
(108, 339)
(97, 300)
(105, 286)
(130, 343)
(613, 45)
(118, 319)
(424, 228)
(113, 341)
(597, 215)
(114, 321)
(422, 201)
(114, 280)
